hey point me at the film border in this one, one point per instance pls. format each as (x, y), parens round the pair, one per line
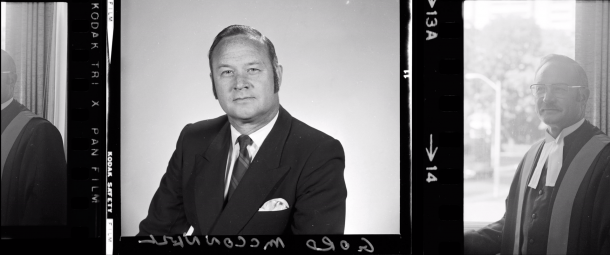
(85, 140)
(113, 220)
(437, 78)
(341, 244)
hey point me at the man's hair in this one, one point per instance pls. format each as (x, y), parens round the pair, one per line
(581, 75)
(254, 34)
(8, 65)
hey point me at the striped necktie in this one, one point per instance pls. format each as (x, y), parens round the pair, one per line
(241, 164)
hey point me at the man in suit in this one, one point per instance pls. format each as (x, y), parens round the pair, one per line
(34, 174)
(256, 170)
(559, 200)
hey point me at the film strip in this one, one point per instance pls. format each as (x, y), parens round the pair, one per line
(86, 117)
(94, 149)
(85, 134)
(113, 192)
(437, 81)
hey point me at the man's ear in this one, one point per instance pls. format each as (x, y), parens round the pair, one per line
(584, 94)
(279, 70)
(213, 86)
(12, 78)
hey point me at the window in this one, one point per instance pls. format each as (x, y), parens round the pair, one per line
(504, 41)
(39, 50)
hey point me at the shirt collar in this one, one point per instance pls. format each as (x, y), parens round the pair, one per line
(565, 132)
(257, 137)
(5, 104)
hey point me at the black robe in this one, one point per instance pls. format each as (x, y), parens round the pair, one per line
(34, 179)
(590, 214)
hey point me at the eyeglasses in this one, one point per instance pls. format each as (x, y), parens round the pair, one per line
(558, 89)
(4, 75)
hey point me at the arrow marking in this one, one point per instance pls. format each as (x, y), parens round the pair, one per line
(431, 152)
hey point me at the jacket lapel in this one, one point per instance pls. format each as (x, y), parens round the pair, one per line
(262, 175)
(208, 181)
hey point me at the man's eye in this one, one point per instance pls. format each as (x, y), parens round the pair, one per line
(227, 72)
(254, 70)
(560, 88)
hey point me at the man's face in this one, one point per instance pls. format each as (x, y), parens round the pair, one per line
(242, 74)
(558, 112)
(6, 87)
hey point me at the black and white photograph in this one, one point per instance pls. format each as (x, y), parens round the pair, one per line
(260, 117)
(536, 125)
(34, 71)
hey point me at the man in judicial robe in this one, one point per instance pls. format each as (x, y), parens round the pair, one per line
(256, 170)
(559, 200)
(33, 162)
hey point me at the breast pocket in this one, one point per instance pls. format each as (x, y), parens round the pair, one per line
(267, 223)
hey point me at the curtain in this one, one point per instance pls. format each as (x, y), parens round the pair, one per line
(593, 53)
(56, 110)
(36, 38)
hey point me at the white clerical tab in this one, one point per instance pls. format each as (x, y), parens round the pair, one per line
(541, 160)
(553, 152)
(554, 162)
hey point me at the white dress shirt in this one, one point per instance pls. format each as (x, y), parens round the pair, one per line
(257, 137)
(553, 152)
(5, 104)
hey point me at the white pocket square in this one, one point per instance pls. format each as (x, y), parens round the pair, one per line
(276, 204)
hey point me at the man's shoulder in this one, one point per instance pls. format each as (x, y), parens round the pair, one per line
(42, 128)
(38, 123)
(604, 153)
(202, 132)
(39, 136)
(307, 136)
(36, 120)
(592, 132)
(207, 126)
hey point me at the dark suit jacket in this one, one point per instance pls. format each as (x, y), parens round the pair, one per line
(34, 180)
(296, 162)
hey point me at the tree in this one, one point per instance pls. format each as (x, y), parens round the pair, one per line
(506, 50)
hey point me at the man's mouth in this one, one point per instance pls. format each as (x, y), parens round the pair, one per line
(550, 110)
(242, 98)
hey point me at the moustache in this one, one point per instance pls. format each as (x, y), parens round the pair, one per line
(549, 107)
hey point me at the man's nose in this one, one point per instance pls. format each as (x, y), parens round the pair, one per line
(549, 97)
(241, 81)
